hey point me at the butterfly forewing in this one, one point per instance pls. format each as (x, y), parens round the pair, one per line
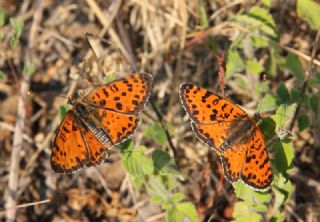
(205, 107)
(127, 95)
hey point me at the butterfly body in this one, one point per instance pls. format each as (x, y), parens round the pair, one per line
(105, 117)
(231, 132)
(240, 131)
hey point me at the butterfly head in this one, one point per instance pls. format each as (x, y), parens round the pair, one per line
(257, 117)
(71, 101)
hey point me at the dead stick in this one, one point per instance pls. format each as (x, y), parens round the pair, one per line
(160, 119)
(306, 81)
(11, 195)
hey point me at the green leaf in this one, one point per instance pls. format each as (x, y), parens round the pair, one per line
(203, 15)
(234, 63)
(241, 81)
(268, 126)
(144, 163)
(279, 198)
(125, 148)
(167, 205)
(272, 60)
(284, 154)
(136, 164)
(268, 103)
(249, 195)
(260, 20)
(283, 93)
(242, 213)
(257, 200)
(294, 66)
(278, 217)
(28, 68)
(2, 75)
(2, 17)
(259, 42)
(267, 3)
(283, 114)
(182, 211)
(157, 133)
(156, 198)
(309, 11)
(283, 190)
(254, 67)
(177, 197)
(160, 160)
(295, 95)
(17, 27)
(303, 122)
(63, 109)
(314, 103)
(243, 191)
(109, 78)
(188, 210)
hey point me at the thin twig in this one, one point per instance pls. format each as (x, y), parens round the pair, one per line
(107, 26)
(306, 81)
(26, 205)
(11, 199)
(12, 129)
(224, 8)
(291, 50)
(160, 119)
(15, 153)
(294, 214)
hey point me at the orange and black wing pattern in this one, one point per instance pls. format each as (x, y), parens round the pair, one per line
(211, 114)
(256, 168)
(119, 103)
(127, 95)
(69, 151)
(106, 116)
(231, 132)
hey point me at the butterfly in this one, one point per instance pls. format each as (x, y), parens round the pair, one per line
(231, 132)
(105, 117)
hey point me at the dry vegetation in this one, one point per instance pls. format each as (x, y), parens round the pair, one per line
(159, 37)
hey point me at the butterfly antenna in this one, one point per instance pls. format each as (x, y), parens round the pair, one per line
(265, 83)
(120, 49)
(65, 97)
(222, 70)
(90, 35)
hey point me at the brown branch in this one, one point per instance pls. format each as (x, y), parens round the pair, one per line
(11, 195)
(160, 119)
(306, 81)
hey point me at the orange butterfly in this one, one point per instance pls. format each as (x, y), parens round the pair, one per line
(231, 132)
(103, 118)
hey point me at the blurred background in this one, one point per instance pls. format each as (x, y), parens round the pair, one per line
(262, 55)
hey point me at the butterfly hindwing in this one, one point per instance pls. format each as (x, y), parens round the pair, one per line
(256, 168)
(69, 152)
(232, 160)
(97, 150)
(118, 126)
